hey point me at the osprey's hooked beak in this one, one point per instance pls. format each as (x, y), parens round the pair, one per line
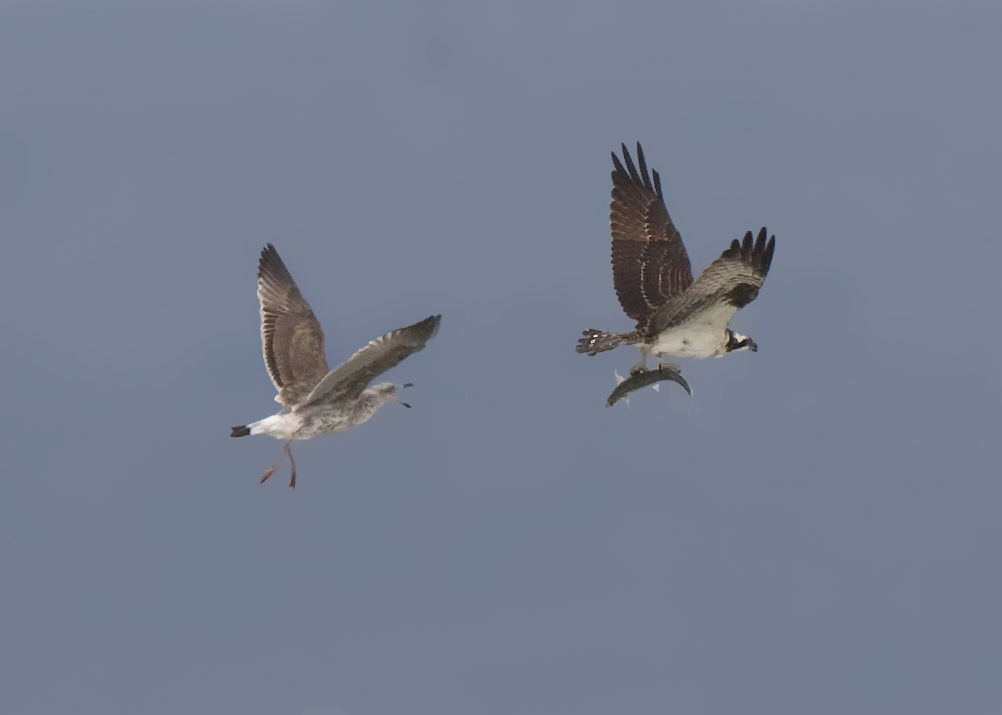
(736, 341)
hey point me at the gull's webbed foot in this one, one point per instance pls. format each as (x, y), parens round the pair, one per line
(268, 473)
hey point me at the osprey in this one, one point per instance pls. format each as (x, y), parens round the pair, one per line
(675, 315)
(314, 398)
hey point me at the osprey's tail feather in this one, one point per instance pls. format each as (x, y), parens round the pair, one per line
(596, 341)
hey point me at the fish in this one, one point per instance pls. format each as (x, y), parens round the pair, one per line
(642, 378)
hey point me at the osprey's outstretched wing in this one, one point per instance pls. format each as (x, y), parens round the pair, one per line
(649, 262)
(729, 283)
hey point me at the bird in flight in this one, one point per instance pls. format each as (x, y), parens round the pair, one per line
(314, 398)
(676, 316)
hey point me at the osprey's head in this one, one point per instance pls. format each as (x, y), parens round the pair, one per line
(737, 341)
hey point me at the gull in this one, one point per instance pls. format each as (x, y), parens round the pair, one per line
(314, 398)
(675, 315)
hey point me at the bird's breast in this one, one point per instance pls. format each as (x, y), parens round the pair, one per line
(335, 418)
(690, 340)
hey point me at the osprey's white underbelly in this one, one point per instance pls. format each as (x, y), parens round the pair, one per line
(703, 335)
(689, 343)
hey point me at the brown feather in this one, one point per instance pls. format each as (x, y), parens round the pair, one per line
(291, 337)
(649, 261)
(734, 278)
(347, 381)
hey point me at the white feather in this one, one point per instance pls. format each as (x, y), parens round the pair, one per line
(703, 335)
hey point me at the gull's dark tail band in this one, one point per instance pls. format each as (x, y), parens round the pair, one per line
(241, 431)
(596, 341)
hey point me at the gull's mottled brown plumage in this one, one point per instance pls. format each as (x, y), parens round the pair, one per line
(291, 336)
(316, 399)
(347, 381)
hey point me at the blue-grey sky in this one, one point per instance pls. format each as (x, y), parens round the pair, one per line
(815, 531)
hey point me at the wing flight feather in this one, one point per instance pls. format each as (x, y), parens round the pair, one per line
(649, 262)
(347, 381)
(291, 337)
(733, 279)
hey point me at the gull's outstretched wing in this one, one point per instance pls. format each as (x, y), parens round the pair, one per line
(729, 283)
(348, 380)
(649, 262)
(291, 337)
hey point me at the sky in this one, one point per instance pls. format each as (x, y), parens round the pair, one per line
(815, 530)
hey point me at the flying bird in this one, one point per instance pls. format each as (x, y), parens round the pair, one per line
(676, 316)
(314, 398)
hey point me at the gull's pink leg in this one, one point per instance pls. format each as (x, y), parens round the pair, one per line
(288, 451)
(272, 470)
